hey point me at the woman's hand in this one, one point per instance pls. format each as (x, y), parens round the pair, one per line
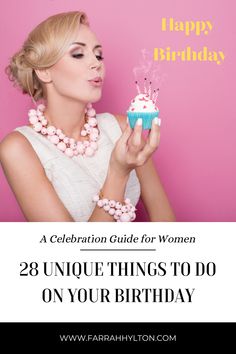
(132, 150)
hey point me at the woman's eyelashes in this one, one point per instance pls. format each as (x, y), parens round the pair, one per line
(80, 55)
(99, 57)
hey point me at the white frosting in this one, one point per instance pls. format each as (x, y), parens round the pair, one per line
(142, 103)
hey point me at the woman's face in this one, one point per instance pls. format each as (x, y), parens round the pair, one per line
(79, 74)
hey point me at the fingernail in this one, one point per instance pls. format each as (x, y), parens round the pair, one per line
(155, 120)
(159, 121)
(139, 121)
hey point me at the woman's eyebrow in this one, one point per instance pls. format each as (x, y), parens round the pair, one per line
(84, 45)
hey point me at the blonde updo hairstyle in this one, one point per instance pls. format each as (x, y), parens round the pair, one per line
(45, 45)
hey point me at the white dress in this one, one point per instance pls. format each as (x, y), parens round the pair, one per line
(76, 180)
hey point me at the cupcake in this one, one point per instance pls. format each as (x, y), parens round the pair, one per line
(143, 106)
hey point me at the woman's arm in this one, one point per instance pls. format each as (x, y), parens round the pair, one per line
(25, 174)
(35, 193)
(152, 192)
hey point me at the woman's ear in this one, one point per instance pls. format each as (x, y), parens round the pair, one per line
(44, 75)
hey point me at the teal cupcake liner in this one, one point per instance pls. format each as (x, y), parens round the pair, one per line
(147, 118)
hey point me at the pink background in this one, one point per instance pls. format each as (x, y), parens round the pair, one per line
(197, 156)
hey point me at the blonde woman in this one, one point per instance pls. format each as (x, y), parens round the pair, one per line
(69, 163)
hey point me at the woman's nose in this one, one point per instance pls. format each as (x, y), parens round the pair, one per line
(95, 63)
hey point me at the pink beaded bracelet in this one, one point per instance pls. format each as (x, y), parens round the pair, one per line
(120, 212)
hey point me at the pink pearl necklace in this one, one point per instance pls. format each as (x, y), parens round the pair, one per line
(69, 146)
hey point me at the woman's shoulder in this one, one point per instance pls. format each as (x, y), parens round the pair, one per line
(13, 145)
(12, 140)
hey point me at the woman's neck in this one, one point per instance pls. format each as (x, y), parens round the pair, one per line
(69, 116)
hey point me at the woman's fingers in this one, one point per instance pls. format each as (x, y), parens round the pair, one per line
(138, 150)
(136, 138)
(151, 143)
(126, 134)
(154, 136)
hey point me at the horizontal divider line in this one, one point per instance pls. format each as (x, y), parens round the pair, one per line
(117, 249)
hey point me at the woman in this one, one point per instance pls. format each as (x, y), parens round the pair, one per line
(70, 164)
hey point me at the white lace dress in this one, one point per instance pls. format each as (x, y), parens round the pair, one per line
(76, 180)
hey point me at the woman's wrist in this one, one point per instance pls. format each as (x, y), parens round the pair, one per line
(118, 171)
(122, 212)
(113, 190)
(115, 184)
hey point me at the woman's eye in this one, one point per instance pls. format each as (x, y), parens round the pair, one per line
(99, 57)
(79, 55)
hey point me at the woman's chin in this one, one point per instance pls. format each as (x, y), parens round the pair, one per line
(95, 98)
